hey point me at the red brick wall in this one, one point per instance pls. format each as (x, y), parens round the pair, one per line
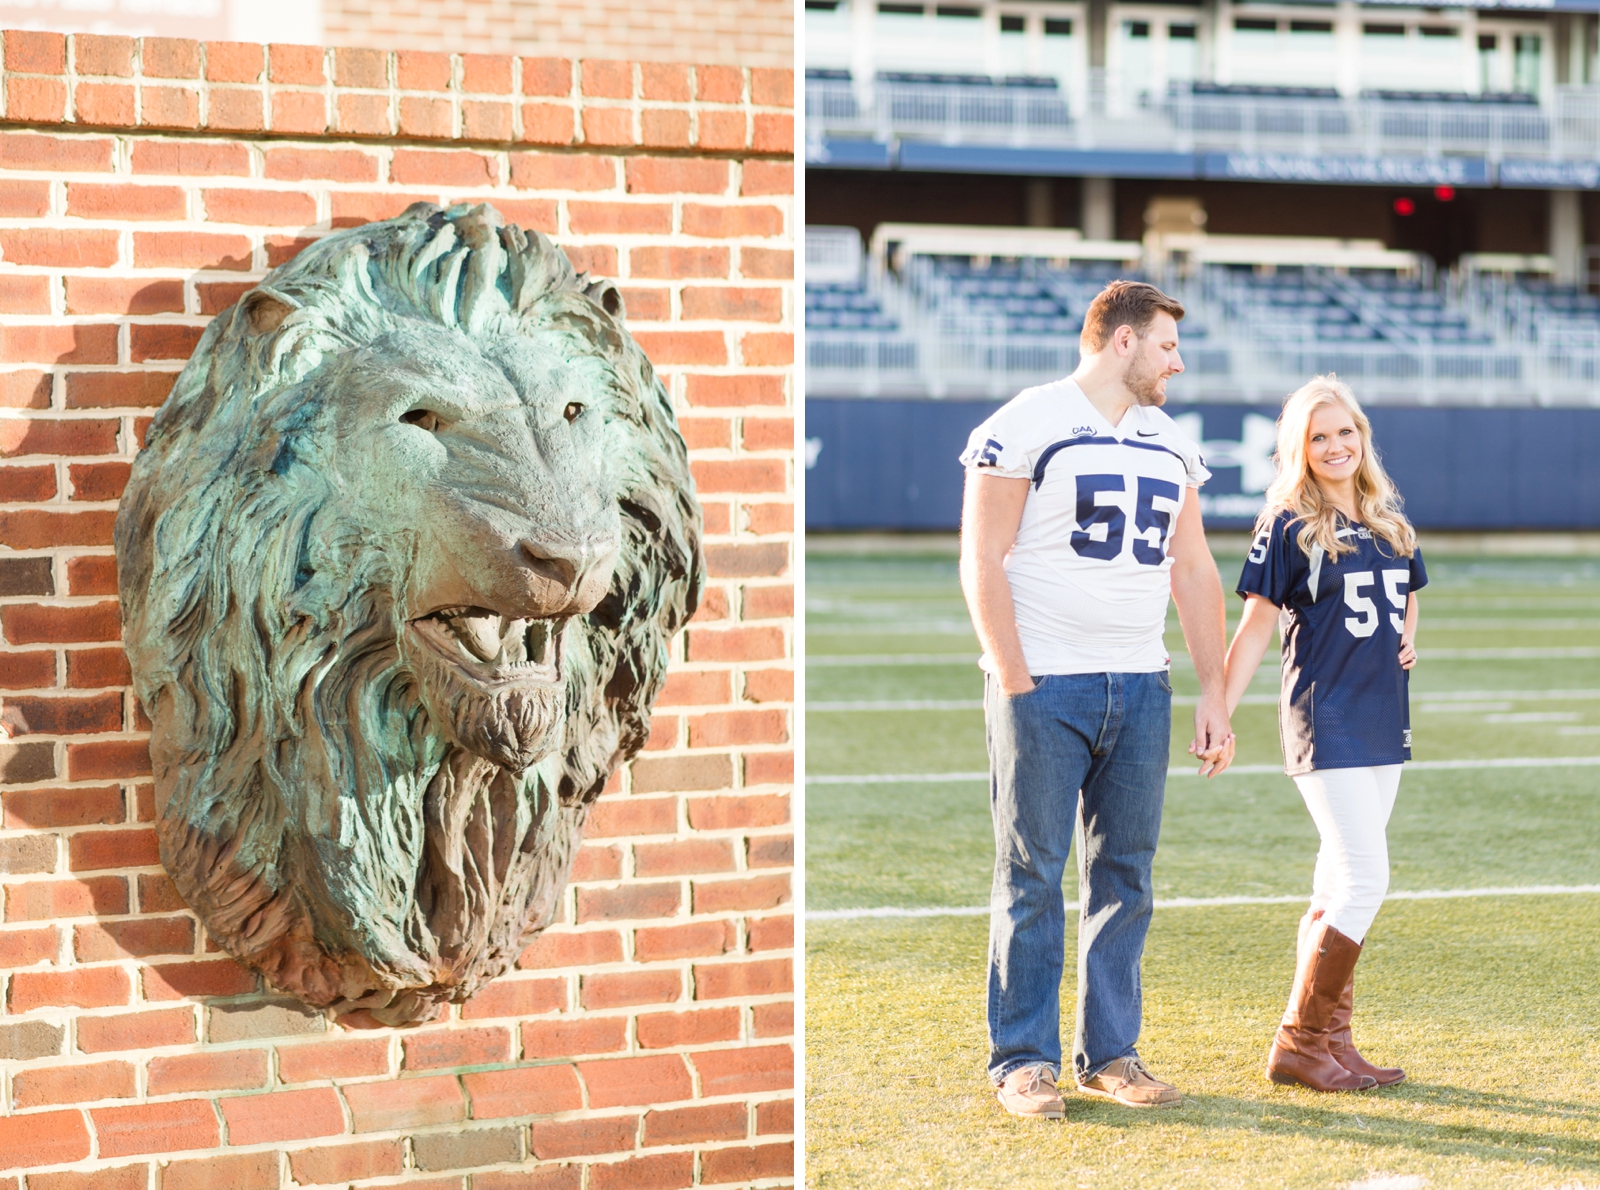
(645, 1041)
(746, 32)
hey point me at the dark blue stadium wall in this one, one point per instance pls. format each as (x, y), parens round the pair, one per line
(891, 464)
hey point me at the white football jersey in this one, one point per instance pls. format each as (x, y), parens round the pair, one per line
(1089, 572)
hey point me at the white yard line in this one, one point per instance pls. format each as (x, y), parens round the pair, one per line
(1532, 653)
(1510, 654)
(1429, 894)
(892, 623)
(895, 628)
(1243, 770)
(911, 704)
(893, 778)
(873, 660)
(1508, 624)
(1189, 700)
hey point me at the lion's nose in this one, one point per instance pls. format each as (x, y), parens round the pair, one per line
(550, 565)
(573, 574)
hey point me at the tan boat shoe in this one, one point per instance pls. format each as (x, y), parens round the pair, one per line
(1130, 1084)
(1030, 1092)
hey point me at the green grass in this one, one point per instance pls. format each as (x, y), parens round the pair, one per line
(1489, 1002)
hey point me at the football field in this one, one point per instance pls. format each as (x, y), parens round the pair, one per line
(1481, 975)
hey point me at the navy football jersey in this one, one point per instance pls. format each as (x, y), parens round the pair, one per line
(1344, 702)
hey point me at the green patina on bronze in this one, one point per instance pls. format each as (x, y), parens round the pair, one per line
(399, 567)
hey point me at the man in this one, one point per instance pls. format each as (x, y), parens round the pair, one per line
(1080, 517)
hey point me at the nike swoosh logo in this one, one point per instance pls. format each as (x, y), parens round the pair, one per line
(1147, 433)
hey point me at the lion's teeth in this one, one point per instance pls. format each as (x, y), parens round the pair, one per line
(538, 641)
(481, 635)
(514, 644)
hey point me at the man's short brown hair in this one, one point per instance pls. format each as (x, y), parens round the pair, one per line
(1125, 303)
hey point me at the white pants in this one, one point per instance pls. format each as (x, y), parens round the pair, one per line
(1351, 809)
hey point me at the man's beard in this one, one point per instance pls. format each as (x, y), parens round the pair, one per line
(1143, 379)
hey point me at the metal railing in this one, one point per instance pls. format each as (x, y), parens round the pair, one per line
(950, 113)
(1379, 127)
(997, 365)
(1102, 114)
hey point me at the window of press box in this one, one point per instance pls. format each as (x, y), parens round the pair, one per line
(1182, 32)
(1383, 30)
(1136, 28)
(1525, 63)
(948, 10)
(1013, 24)
(1054, 27)
(900, 10)
(1254, 25)
(1310, 26)
(1440, 31)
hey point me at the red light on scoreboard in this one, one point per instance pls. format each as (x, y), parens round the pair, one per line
(1444, 193)
(1404, 206)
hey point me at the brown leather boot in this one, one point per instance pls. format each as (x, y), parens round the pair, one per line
(1300, 1053)
(1344, 1050)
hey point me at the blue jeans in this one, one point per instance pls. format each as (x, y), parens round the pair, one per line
(1084, 750)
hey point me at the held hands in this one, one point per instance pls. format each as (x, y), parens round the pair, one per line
(1213, 742)
(1408, 653)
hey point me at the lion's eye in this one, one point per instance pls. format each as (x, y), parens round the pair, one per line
(572, 411)
(423, 419)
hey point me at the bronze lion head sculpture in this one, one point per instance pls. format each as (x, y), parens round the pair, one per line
(399, 566)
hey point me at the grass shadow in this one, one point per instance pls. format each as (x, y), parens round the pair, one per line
(1370, 1120)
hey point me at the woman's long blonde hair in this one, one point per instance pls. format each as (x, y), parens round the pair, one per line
(1296, 490)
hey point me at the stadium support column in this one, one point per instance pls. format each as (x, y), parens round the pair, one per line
(1347, 49)
(1099, 209)
(863, 27)
(1222, 44)
(1039, 201)
(1097, 34)
(1566, 235)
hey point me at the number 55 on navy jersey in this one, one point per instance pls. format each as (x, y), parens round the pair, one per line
(1344, 701)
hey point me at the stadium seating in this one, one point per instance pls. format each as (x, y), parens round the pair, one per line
(1315, 305)
(1539, 311)
(1014, 296)
(843, 306)
(848, 332)
(950, 325)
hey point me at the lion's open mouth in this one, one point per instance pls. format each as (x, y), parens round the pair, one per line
(495, 648)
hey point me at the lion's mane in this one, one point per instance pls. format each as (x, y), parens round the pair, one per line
(325, 830)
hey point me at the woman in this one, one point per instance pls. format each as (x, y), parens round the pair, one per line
(1337, 560)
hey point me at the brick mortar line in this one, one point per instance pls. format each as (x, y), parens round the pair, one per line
(100, 1164)
(65, 221)
(594, 925)
(138, 734)
(443, 144)
(467, 1125)
(331, 54)
(78, 783)
(306, 1040)
(616, 1013)
(85, 692)
(61, 1013)
(63, 501)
